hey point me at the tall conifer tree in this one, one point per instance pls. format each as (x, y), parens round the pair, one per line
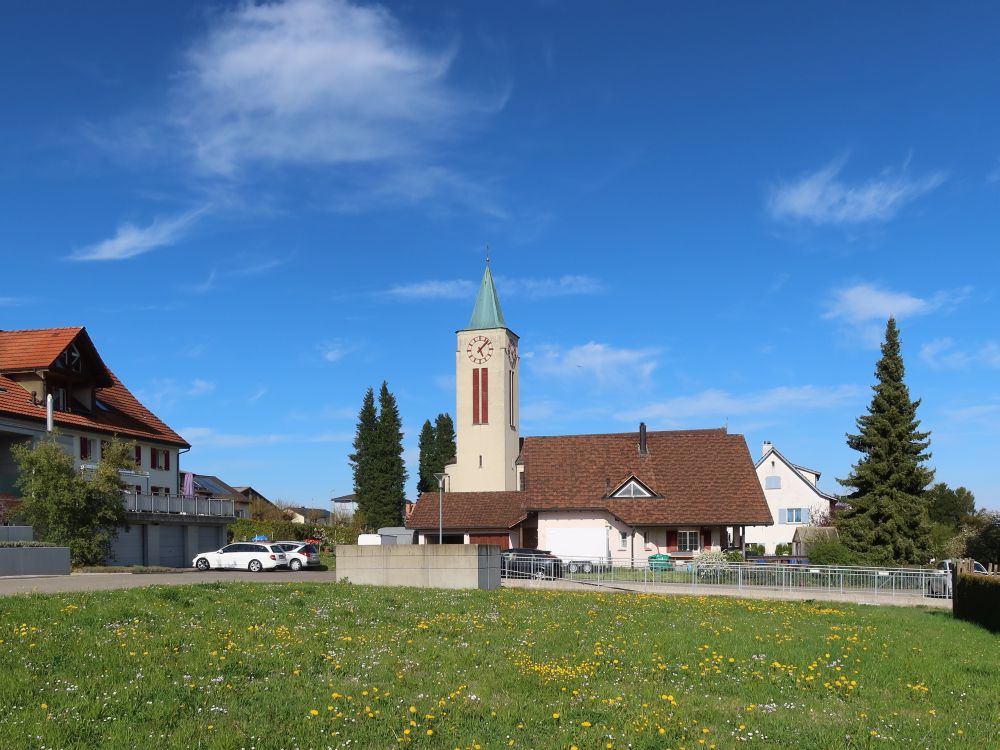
(428, 459)
(389, 469)
(444, 441)
(886, 519)
(362, 460)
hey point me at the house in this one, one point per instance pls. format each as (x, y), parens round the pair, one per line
(629, 495)
(344, 506)
(303, 514)
(793, 497)
(210, 486)
(54, 378)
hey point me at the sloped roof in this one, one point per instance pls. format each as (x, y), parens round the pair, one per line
(124, 414)
(213, 485)
(797, 470)
(469, 510)
(699, 477)
(487, 312)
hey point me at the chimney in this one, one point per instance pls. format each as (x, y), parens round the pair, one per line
(643, 447)
(48, 413)
(765, 448)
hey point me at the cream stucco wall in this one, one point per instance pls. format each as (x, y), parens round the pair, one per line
(794, 493)
(486, 452)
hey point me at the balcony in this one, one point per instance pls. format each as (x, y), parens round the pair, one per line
(216, 507)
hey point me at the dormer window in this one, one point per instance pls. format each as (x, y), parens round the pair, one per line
(60, 402)
(632, 488)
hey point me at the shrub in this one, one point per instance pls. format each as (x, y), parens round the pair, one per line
(755, 549)
(783, 549)
(27, 544)
(736, 557)
(977, 599)
(830, 552)
(244, 529)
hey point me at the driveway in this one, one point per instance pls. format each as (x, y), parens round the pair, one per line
(108, 581)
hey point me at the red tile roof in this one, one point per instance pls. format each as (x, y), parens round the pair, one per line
(699, 477)
(469, 510)
(125, 415)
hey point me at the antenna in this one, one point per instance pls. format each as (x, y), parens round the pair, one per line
(487, 253)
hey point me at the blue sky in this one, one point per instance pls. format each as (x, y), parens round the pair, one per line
(697, 214)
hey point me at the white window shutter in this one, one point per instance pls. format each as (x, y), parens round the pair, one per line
(781, 515)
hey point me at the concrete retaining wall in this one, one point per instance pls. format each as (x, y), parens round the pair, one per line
(447, 566)
(34, 561)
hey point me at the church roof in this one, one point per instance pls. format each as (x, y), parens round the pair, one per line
(487, 312)
(699, 477)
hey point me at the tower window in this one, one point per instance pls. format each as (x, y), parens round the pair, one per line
(480, 396)
(512, 399)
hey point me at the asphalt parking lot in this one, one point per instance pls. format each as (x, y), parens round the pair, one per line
(110, 581)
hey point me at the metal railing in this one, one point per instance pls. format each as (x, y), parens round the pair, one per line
(187, 505)
(876, 583)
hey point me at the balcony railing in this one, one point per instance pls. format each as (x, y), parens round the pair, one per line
(191, 506)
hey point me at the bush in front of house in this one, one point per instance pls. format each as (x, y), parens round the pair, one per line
(755, 549)
(245, 529)
(783, 549)
(830, 552)
(977, 599)
(27, 544)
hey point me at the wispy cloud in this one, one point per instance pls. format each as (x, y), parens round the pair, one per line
(242, 268)
(209, 437)
(13, 301)
(315, 82)
(258, 394)
(863, 302)
(720, 404)
(605, 364)
(976, 413)
(202, 287)
(131, 240)
(994, 174)
(942, 354)
(336, 349)
(530, 288)
(167, 391)
(821, 197)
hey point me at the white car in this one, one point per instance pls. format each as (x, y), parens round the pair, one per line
(300, 554)
(252, 556)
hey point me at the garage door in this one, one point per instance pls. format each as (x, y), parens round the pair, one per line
(208, 538)
(502, 539)
(172, 547)
(127, 548)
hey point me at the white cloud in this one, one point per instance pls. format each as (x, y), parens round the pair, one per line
(941, 354)
(605, 364)
(532, 288)
(975, 413)
(200, 387)
(208, 437)
(167, 391)
(994, 174)
(822, 198)
(131, 240)
(258, 394)
(865, 302)
(13, 301)
(721, 404)
(334, 351)
(314, 82)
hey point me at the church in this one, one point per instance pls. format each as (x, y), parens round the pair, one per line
(620, 496)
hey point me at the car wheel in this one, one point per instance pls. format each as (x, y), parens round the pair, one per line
(539, 574)
(573, 568)
(202, 564)
(255, 566)
(588, 568)
(295, 565)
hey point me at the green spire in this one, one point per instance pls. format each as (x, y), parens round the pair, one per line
(487, 312)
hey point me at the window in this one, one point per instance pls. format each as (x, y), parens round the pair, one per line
(512, 399)
(159, 459)
(86, 449)
(59, 400)
(793, 515)
(632, 489)
(138, 456)
(772, 482)
(622, 540)
(687, 541)
(480, 396)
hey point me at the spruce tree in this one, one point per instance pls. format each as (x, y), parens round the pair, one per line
(363, 459)
(444, 442)
(425, 480)
(389, 469)
(886, 517)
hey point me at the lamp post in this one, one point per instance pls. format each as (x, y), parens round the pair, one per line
(440, 477)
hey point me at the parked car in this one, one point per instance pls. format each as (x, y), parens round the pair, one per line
(252, 556)
(521, 562)
(300, 554)
(661, 561)
(940, 583)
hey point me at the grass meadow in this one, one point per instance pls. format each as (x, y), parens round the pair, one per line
(245, 665)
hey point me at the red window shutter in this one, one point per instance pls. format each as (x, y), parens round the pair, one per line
(485, 395)
(166, 460)
(671, 540)
(475, 396)
(138, 456)
(706, 537)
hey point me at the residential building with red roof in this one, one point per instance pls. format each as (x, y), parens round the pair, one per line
(89, 407)
(634, 493)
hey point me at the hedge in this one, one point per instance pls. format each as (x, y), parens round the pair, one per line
(977, 599)
(244, 529)
(27, 544)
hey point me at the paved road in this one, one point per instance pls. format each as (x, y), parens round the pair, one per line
(107, 581)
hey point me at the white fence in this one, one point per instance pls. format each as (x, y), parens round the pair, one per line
(877, 583)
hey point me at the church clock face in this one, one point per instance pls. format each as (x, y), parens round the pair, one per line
(479, 350)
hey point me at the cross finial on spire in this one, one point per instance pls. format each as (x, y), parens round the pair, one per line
(487, 253)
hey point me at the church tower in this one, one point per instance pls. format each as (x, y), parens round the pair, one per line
(487, 387)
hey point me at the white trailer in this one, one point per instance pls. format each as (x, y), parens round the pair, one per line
(582, 549)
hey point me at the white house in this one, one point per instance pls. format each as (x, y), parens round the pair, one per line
(793, 496)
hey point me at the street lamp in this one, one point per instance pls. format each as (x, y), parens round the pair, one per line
(440, 477)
